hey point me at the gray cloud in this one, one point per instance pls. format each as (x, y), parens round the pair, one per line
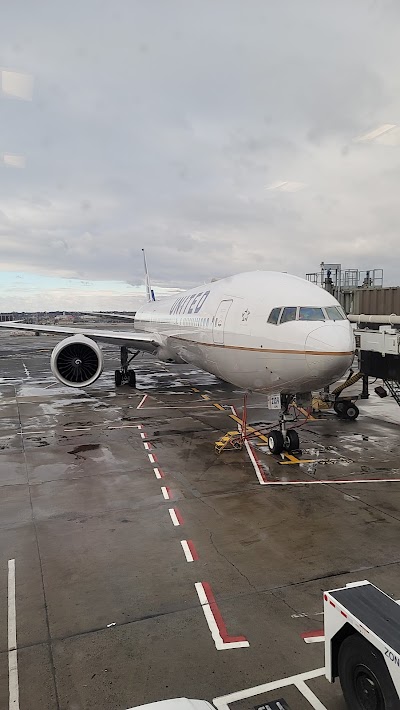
(161, 124)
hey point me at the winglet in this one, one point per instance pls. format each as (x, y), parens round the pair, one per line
(149, 290)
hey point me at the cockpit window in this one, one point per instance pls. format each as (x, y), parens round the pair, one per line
(309, 313)
(289, 313)
(274, 315)
(334, 313)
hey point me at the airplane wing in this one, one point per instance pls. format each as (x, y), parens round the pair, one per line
(148, 342)
(109, 315)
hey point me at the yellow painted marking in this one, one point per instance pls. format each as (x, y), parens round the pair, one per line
(291, 458)
(205, 396)
(218, 406)
(195, 389)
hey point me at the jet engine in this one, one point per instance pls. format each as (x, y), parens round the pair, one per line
(77, 361)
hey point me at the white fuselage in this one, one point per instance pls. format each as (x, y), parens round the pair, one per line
(222, 328)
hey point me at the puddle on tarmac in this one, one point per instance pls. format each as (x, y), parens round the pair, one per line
(84, 447)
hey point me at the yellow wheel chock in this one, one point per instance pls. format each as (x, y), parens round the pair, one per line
(231, 440)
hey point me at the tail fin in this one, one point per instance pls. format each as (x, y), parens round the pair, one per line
(149, 290)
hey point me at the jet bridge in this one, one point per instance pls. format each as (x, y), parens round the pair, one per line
(379, 356)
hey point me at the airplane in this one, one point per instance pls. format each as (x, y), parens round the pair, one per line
(262, 331)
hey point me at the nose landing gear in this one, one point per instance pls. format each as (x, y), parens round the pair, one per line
(284, 439)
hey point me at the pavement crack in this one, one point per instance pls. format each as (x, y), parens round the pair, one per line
(242, 574)
(289, 606)
(204, 500)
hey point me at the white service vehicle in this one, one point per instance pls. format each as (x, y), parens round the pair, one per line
(362, 646)
(362, 649)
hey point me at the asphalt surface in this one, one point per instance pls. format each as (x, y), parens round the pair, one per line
(107, 612)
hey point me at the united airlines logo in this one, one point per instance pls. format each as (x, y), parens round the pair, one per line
(190, 304)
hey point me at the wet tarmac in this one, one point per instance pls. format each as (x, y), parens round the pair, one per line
(149, 567)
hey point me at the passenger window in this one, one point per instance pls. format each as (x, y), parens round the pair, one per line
(308, 313)
(274, 316)
(289, 313)
(333, 313)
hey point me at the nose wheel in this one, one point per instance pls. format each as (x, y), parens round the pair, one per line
(284, 439)
(292, 441)
(278, 442)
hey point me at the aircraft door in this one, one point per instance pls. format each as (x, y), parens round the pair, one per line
(219, 321)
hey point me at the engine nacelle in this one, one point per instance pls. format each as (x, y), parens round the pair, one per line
(77, 361)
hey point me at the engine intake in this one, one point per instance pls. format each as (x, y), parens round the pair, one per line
(77, 361)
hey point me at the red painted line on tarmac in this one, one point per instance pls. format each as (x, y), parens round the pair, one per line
(193, 549)
(313, 634)
(179, 516)
(218, 617)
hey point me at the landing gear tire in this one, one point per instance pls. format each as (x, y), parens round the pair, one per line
(276, 442)
(292, 441)
(339, 407)
(350, 411)
(118, 378)
(131, 378)
(364, 677)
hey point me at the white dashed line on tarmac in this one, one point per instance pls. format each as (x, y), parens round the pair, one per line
(174, 516)
(165, 492)
(189, 550)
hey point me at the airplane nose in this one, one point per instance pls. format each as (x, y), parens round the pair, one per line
(330, 350)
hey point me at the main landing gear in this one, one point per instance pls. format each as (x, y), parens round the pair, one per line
(284, 439)
(125, 375)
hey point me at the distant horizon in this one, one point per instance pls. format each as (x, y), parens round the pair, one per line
(27, 292)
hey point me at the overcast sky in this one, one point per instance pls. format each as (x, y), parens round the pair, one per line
(222, 135)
